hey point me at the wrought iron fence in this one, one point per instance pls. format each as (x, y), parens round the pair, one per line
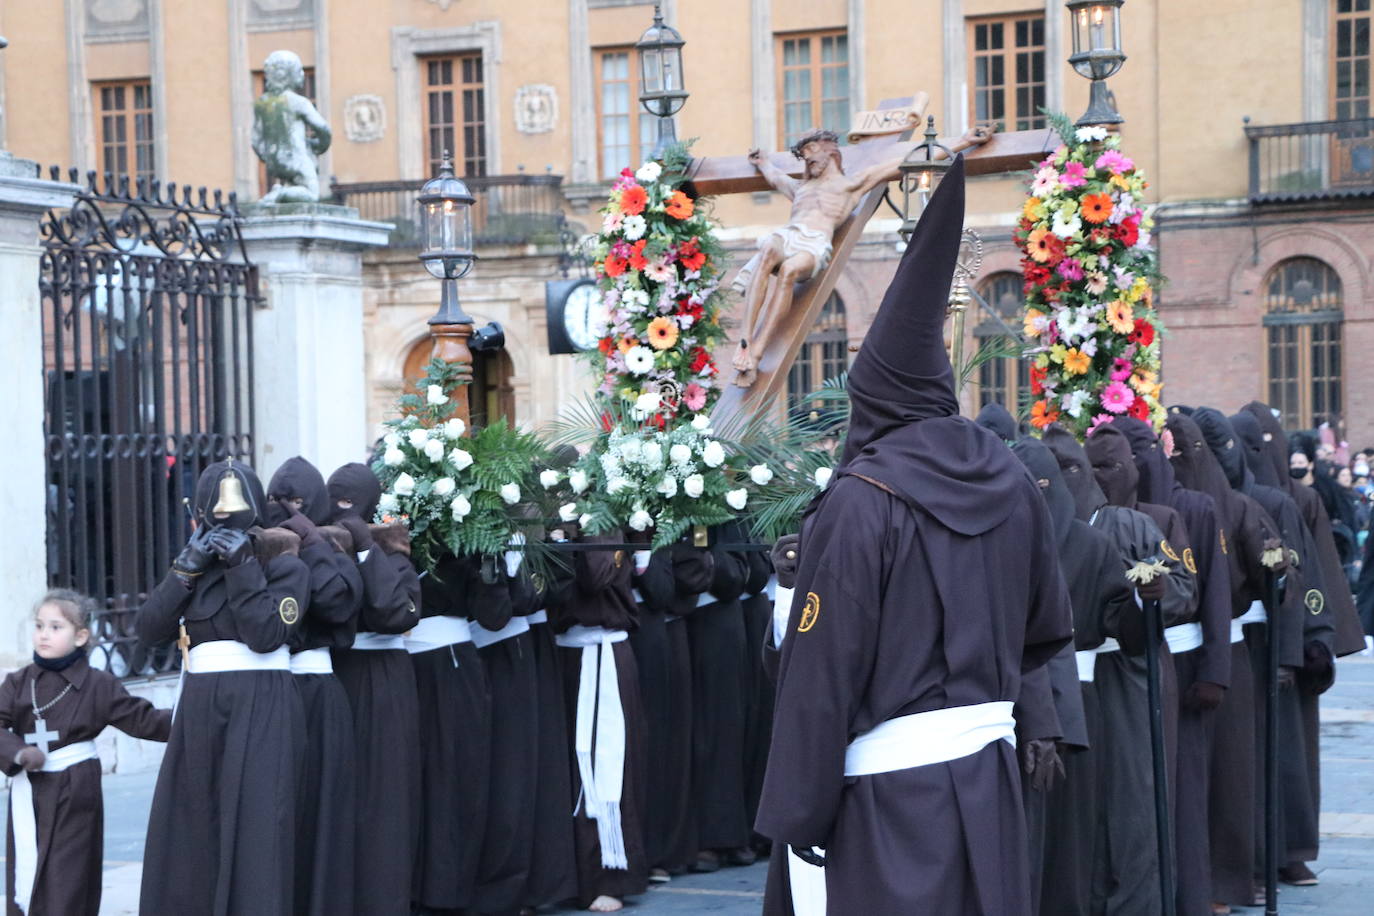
(147, 295)
(1311, 161)
(509, 209)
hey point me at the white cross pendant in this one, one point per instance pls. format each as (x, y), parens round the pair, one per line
(40, 735)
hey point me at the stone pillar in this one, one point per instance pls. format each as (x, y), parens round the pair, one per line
(309, 387)
(23, 494)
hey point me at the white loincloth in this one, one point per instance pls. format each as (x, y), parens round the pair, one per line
(795, 240)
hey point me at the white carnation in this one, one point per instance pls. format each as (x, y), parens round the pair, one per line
(648, 402)
(387, 503)
(640, 520)
(568, 512)
(418, 437)
(404, 485)
(701, 423)
(680, 454)
(713, 454)
(455, 428)
(460, 459)
(648, 172)
(761, 474)
(823, 476)
(394, 458)
(510, 493)
(639, 359)
(737, 499)
(444, 486)
(577, 479)
(667, 486)
(548, 478)
(435, 396)
(434, 450)
(460, 507)
(694, 485)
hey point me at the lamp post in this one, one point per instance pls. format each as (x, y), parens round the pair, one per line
(1097, 54)
(918, 175)
(661, 89)
(446, 237)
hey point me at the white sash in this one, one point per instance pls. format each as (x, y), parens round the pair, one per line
(220, 655)
(638, 595)
(1087, 659)
(437, 632)
(483, 637)
(25, 820)
(541, 616)
(312, 661)
(930, 737)
(601, 768)
(1237, 631)
(782, 609)
(378, 642)
(1256, 614)
(1183, 638)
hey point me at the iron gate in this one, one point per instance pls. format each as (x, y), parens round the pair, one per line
(147, 296)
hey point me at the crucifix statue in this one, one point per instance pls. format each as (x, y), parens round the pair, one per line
(822, 199)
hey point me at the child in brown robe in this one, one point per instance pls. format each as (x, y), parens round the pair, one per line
(51, 711)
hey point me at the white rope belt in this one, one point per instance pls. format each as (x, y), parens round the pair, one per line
(230, 655)
(312, 661)
(925, 738)
(437, 632)
(484, 637)
(1255, 614)
(601, 767)
(782, 609)
(1183, 638)
(25, 820)
(378, 642)
(541, 616)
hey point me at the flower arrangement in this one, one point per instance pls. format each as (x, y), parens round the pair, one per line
(1090, 274)
(458, 490)
(658, 265)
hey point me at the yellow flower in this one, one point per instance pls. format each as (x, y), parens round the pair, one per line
(1042, 361)
(1139, 289)
(1143, 380)
(662, 333)
(1076, 362)
(1121, 317)
(1033, 209)
(1121, 182)
(1057, 352)
(1029, 323)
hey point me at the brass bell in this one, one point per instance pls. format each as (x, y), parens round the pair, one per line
(230, 497)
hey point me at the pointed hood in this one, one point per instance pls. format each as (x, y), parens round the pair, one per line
(297, 479)
(1222, 439)
(1195, 466)
(996, 418)
(902, 374)
(1044, 468)
(1250, 437)
(1274, 445)
(1156, 484)
(1077, 470)
(1114, 466)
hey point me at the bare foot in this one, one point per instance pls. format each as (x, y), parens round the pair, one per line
(743, 361)
(604, 904)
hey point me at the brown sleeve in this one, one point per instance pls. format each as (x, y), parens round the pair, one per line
(10, 743)
(135, 716)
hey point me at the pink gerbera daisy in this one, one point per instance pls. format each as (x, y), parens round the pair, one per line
(694, 397)
(1117, 397)
(1075, 176)
(1113, 161)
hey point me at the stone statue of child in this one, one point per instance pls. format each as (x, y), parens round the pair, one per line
(280, 118)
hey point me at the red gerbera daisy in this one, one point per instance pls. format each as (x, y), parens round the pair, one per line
(1143, 333)
(1140, 409)
(637, 259)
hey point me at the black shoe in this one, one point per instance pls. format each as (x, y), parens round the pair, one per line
(707, 862)
(1298, 875)
(738, 858)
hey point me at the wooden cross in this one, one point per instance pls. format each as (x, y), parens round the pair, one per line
(40, 735)
(735, 175)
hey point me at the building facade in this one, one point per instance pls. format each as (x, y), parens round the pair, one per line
(1251, 118)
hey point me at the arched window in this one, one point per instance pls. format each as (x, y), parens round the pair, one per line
(824, 355)
(490, 395)
(1001, 379)
(1302, 322)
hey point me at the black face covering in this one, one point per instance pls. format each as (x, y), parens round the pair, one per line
(60, 664)
(1251, 439)
(1275, 443)
(1113, 465)
(1156, 484)
(357, 484)
(208, 490)
(1195, 466)
(1044, 467)
(996, 418)
(297, 479)
(1224, 444)
(1076, 470)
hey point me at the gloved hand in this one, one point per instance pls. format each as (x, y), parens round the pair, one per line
(1318, 668)
(1203, 696)
(1274, 544)
(1152, 590)
(231, 545)
(808, 855)
(786, 556)
(1041, 763)
(300, 525)
(194, 558)
(30, 758)
(1288, 676)
(358, 530)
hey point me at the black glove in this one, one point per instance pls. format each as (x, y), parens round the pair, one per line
(1152, 590)
(1318, 670)
(194, 558)
(786, 555)
(1203, 696)
(1041, 764)
(301, 526)
(358, 530)
(808, 855)
(231, 545)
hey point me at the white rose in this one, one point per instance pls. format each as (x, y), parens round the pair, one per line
(460, 507)
(394, 458)
(701, 423)
(548, 478)
(455, 428)
(404, 485)
(577, 479)
(640, 520)
(823, 476)
(584, 519)
(680, 454)
(737, 499)
(648, 172)
(391, 440)
(648, 402)
(630, 448)
(387, 503)
(615, 485)
(694, 485)
(435, 396)
(652, 454)
(510, 493)
(1087, 134)
(444, 486)
(418, 437)
(761, 474)
(568, 513)
(434, 450)
(667, 486)
(460, 459)
(713, 454)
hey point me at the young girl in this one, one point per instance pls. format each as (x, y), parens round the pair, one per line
(51, 712)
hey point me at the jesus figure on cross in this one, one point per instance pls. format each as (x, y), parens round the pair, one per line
(821, 200)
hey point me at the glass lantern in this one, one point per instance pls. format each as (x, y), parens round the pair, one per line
(662, 91)
(1097, 54)
(446, 224)
(919, 174)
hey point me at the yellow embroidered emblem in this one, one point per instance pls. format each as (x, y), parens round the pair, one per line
(289, 611)
(538, 581)
(1315, 601)
(1223, 543)
(1188, 560)
(1168, 551)
(1293, 559)
(810, 611)
(619, 558)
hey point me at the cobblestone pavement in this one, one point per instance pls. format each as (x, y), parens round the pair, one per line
(1346, 866)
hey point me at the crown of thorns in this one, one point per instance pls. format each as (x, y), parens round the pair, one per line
(816, 136)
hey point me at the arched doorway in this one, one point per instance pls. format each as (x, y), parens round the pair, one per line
(491, 394)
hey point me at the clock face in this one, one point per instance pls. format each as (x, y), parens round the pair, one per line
(584, 316)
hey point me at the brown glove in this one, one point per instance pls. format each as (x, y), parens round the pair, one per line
(1203, 696)
(358, 530)
(301, 526)
(1041, 763)
(786, 556)
(30, 758)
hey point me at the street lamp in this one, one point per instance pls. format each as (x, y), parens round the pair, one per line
(446, 236)
(1097, 54)
(661, 89)
(918, 175)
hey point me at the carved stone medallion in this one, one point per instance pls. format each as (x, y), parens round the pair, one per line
(536, 108)
(364, 118)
